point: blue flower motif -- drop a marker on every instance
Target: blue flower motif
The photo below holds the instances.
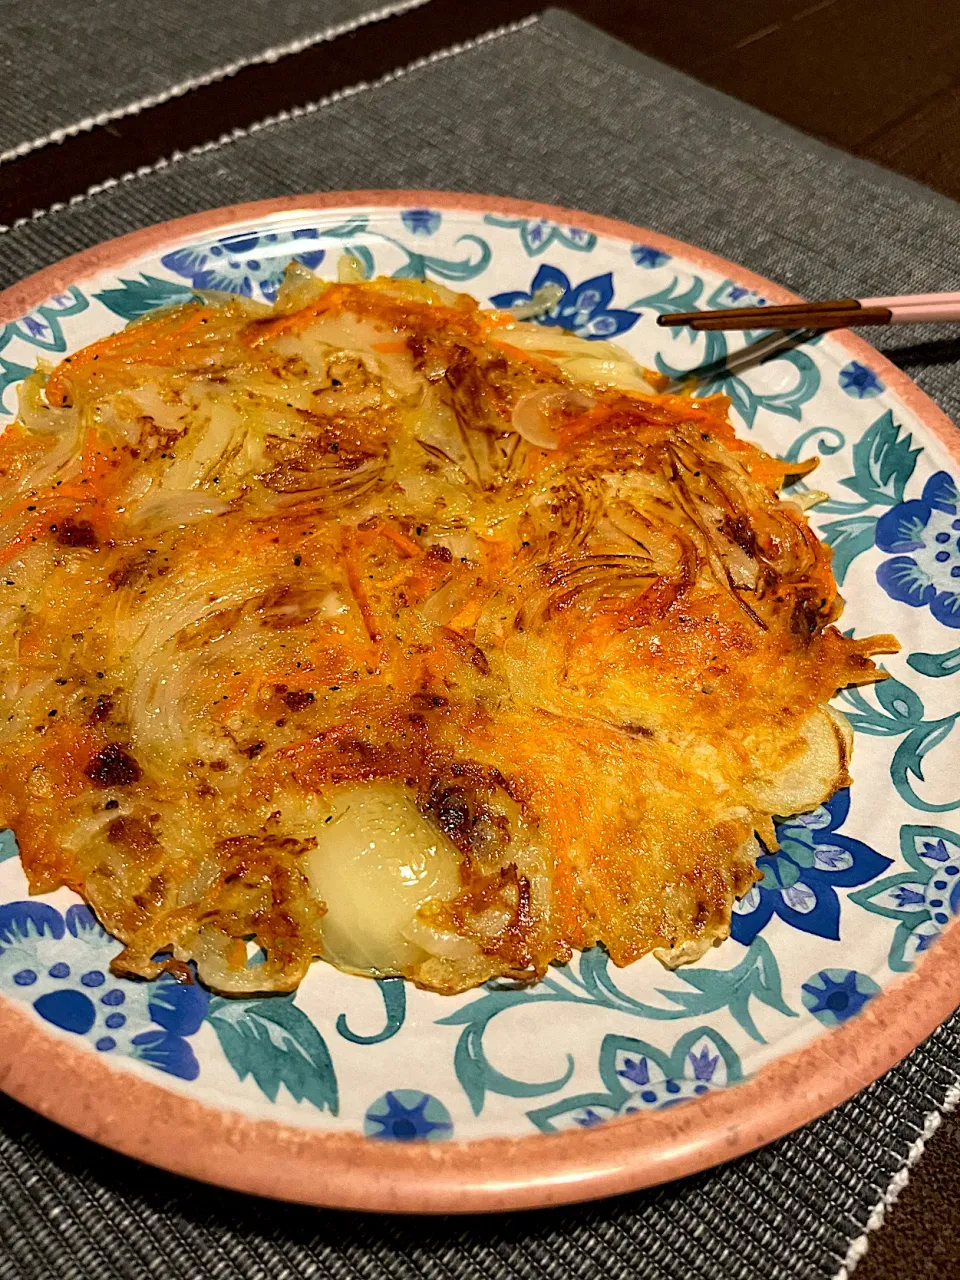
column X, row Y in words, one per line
column 704, row 1065
column 421, row 222
column 801, row 879
column 656, row 1085
column 834, row 995
column 405, row 1115
column 43, row 327
column 35, row 327
column 859, row 381
column 584, row 308
column 245, row 262
column 645, row 255
column 538, row 234
column 924, row 537
column 904, row 897
column 698, row 1075
column 60, row 965
column 636, row 1070
column 638, row 1076
column 924, row 899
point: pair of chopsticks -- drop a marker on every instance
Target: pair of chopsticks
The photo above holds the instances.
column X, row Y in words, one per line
column 841, row 313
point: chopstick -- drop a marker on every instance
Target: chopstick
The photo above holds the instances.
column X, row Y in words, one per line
column 840, row 313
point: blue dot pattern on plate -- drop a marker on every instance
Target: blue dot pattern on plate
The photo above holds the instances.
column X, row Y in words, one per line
column 70, row 1010
column 407, row 1115
column 45, row 960
column 834, row 995
column 859, row 381
column 645, row 255
column 421, row 222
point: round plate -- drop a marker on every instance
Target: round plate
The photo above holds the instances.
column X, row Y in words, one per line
column 379, row 1096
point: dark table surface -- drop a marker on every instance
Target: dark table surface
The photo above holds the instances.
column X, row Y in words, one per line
column 879, row 78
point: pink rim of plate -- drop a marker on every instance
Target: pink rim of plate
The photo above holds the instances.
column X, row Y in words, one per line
column 132, row 1115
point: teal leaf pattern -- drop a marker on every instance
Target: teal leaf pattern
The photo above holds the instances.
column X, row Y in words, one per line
column 757, row 976
column 908, row 759
column 883, row 462
column 394, row 992
column 900, row 711
column 638, row 1076
column 134, row 298
column 11, row 373
column 673, row 297
column 273, row 1041
column 421, row 266
column 8, row 845
column 936, row 665
column 849, row 538
column 790, row 402
column 922, row 900
column 828, row 441
column 712, row 375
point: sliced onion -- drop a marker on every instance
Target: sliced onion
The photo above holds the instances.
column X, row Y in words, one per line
column 544, row 300
column 175, row 510
column 531, row 417
column 805, row 501
column 300, row 287
column 350, row 269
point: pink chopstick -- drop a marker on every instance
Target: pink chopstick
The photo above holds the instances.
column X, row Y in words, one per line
column 840, row 313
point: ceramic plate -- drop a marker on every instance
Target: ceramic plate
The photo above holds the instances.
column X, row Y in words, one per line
column 596, row 1080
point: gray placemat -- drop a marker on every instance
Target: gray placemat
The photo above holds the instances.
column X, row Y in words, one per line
column 67, row 65
column 557, row 112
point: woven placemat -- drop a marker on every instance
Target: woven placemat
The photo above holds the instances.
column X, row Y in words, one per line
column 67, row 65
column 557, row 112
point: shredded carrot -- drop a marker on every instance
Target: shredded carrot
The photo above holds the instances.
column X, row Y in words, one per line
column 659, row 381
column 61, row 501
column 396, row 312
column 348, row 547
column 465, row 619
column 390, row 348
column 261, row 331
column 528, row 357
column 140, row 342
column 406, row 545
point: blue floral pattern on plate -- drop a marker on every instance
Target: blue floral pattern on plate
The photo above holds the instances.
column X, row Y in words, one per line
column 538, row 234
column 924, row 537
column 60, row 965
column 640, row 1077
column 645, row 255
column 421, row 222
column 800, row 881
column 922, row 900
column 584, row 309
column 407, row 1115
column 859, row 381
column 842, row 907
column 835, row 995
column 245, row 262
